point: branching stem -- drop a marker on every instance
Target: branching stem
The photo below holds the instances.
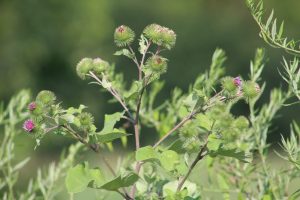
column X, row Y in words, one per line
column 179, row 125
column 190, row 116
column 136, row 120
column 134, row 58
column 199, row 157
column 114, row 93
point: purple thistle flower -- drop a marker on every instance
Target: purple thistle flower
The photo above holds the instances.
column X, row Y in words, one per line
column 32, row 106
column 28, row 125
column 237, row 81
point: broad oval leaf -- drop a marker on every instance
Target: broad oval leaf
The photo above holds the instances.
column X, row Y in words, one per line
column 145, row 153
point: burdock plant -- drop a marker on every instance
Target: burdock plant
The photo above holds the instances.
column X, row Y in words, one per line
column 192, row 127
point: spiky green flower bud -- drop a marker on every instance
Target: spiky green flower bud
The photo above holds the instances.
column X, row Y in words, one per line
column 86, row 119
column 123, row 36
column 241, row 122
column 250, row 89
column 99, row 66
column 157, row 64
column 160, row 35
column 46, row 97
column 38, row 109
column 83, row 67
column 229, row 85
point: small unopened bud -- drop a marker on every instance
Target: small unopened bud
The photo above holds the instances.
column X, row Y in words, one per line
column 229, row 85
column 46, row 97
column 241, row 122
column 86, row 119
column 83, row 67
column 99, row 66
column 250, row 89
column 32, row 106
column 157, row 64
column 237, row 81
column 28, row 125
column 123, row 36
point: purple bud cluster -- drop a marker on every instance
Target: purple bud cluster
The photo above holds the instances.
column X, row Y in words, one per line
column 28, row 125
column 237, row 81
column 32, row 106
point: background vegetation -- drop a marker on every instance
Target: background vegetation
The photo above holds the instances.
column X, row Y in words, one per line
column 42, row 41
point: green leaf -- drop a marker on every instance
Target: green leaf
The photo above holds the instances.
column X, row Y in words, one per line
column 156, row 87
column 134, row 91
column 109, row 137
column 126, row 179
column 274, row 29
column 214, row 142
column 143, row 44
column 146, row 153
column 204, row 121
column 69, row 118
column 110, row 121
column 192, row 101
column 73, row 110
column 182, row 168
column 269, row 19
column 235, row 153
column 20, row 165
column 96, row 177
column 171, row 187
column 280, row 30
column 80, row 176
column 267, row 197
column 168, row 159
column 177, row 146
column 124, row 52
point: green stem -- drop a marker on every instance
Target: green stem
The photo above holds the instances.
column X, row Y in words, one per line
column 137, row 117
column 199, row 157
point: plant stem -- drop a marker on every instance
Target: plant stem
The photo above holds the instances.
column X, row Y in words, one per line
column 134, row 58
column 197, row 159
column 114, row 93
column 180, row 124
column 93, row 147
column 190, row 116
column 142, row 61
column 136, row 120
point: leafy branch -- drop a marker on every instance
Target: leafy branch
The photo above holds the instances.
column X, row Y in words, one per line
column 274, row 37
column 269, row 30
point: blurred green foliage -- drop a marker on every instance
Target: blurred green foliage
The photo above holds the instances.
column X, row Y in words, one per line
column 42, row 41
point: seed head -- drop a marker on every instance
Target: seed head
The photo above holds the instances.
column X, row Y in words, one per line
column 99, row 66
column 46, row 97
column 157, row 64
column 228, row 84
column 250, row 89
column 123, row 36
column 83, row 67
column 160, row 35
